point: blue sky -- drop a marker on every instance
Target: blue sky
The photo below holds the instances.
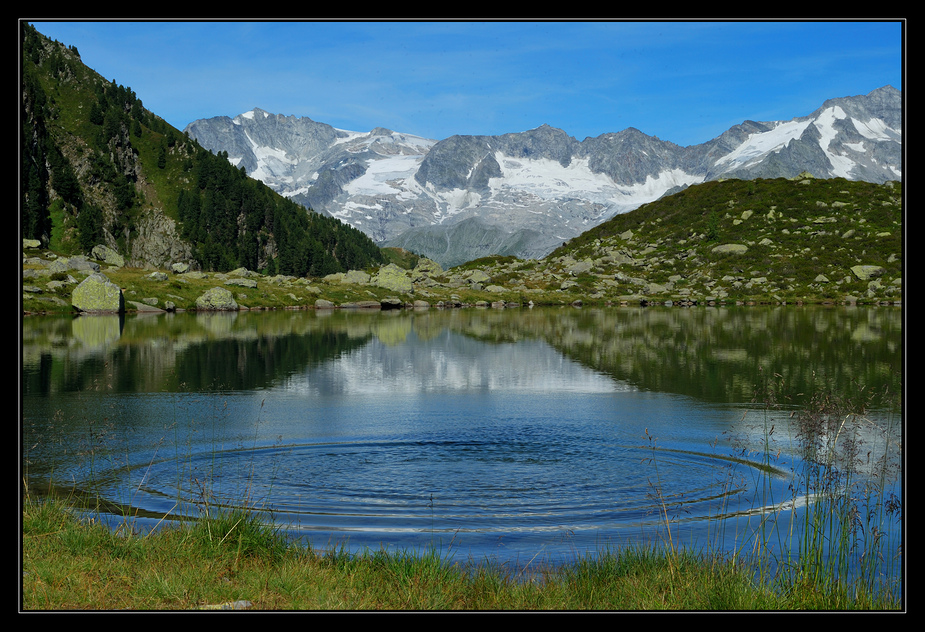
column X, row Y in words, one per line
column 683, row 81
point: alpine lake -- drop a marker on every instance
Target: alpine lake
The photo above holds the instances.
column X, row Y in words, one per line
column 505, row 436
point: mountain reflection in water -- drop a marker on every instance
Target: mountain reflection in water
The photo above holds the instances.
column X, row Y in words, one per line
column 500, row 434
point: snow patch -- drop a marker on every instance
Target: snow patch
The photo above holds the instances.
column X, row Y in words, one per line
column 760, row 144
column 548, row 180
column 381, row 174
column 876, row 129
column 272, row 163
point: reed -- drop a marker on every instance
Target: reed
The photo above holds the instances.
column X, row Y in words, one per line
column 838, row 530
column 850, row 461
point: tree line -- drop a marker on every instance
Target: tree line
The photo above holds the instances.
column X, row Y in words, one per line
column 230, row 219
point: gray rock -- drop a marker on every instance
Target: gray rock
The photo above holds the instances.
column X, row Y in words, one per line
column 580, row 268
column 242, row 282
column 81, row 263
column 108, row 256
column 97, row 295
column 736, row 249
column 216, row 299
column 393, row 278
column 866, row 273
column 243, row 272
column 427, row 267
column 356, row 277
column 477, row 277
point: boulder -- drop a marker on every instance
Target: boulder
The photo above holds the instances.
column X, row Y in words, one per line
column 108, row 256
column 251, row 283
column 866, row 273
column 98, row 295
column 356, row 277
column 216, row 299
column 735, row 249
column 427, row 267
column 580, row 267
column 393, row 278
column 477, row 277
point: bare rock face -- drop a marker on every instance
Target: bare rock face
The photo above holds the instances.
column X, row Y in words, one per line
column 158, row 243
column 98, row 295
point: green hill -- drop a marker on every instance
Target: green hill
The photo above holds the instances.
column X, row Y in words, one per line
column 762, row 241
column 802, row 238
column 99, row 168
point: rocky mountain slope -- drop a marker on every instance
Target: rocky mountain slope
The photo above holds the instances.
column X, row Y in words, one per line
column 98, row 168
column 525, row 193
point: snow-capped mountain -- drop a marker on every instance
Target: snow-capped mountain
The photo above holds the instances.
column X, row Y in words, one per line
column 525, row 193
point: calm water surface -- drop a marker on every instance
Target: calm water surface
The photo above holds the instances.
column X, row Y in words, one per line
column 509, row 435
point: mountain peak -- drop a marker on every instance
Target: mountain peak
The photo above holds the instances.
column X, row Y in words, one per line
column 542, row 186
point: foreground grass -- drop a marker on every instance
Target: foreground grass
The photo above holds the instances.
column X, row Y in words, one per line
column 72, row 564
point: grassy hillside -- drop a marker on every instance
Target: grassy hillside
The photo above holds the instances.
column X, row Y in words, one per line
column 98, row 168
column 798, row 239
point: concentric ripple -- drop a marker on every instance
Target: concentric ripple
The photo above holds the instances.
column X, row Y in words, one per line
column 383, row 488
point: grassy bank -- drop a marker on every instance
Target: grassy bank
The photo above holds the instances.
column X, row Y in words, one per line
column 836, row 555
column 234, row 562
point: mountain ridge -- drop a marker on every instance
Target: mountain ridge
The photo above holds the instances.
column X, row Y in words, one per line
column 541, row 186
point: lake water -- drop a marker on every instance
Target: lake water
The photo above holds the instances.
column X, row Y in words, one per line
column 516, row 436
